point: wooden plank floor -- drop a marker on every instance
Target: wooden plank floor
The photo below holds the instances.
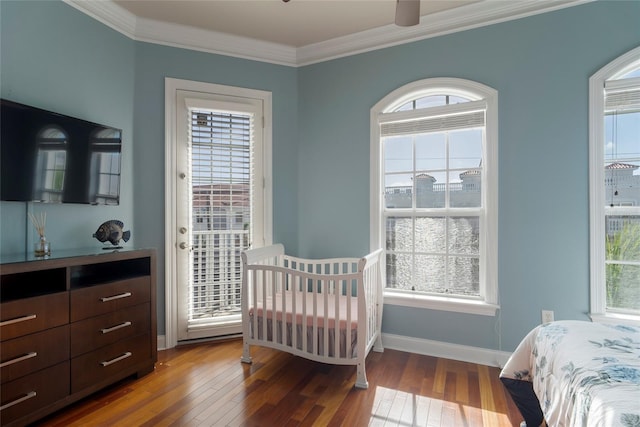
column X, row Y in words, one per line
column 206, row 385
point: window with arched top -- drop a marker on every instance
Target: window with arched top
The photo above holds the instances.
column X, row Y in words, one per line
column 51, row 164
column 434, row 194
column 104, row 166
column 614, row 182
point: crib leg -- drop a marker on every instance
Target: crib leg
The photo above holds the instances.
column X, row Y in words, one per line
column 377, row 345
column 246, row 354
column 361, row 376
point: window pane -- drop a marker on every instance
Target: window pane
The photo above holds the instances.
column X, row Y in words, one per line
column 398, row 190
column 399, row 234
column 465, row 149
column 430, row 273
column 398, row 154
column 464, row 235
column 399, row 267
column 430, row 237
column 464, row 276
column 623, row 238
column 430, row 151
column 623, row 286
column 431, row 101
column 464, row 189
column 430, row 190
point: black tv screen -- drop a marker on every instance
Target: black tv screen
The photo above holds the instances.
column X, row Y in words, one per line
column 53, row 158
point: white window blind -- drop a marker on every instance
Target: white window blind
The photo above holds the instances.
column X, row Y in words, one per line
column 622, row 95
column 426, row 120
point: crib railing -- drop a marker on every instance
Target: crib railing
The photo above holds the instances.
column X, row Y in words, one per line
column 327, row 310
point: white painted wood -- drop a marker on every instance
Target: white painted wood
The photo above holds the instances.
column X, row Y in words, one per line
column 322, row 287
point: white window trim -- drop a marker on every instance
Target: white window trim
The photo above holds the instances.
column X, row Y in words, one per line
column 489, row 249
column 617, row 67
column 172, row 86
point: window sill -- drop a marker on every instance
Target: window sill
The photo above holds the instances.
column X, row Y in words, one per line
column 615, row 319
column 431, row 302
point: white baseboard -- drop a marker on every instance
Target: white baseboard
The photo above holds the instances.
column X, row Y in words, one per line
column 446, row 350
column 162, row 342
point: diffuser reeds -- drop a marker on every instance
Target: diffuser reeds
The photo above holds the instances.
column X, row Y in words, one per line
column 39, row 222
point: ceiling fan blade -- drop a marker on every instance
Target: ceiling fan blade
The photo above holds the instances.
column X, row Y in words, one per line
column 407, row 12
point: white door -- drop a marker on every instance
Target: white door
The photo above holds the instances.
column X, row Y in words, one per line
column 219, row 193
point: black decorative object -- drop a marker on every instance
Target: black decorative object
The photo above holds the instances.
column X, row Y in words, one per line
column 112, row 231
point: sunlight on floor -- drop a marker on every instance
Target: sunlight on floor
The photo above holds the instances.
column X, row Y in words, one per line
column 394, row 407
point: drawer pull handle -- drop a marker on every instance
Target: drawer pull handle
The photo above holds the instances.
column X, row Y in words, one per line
column 18, row 320
column 124, row 295
column 19, row 400
column 115, row 328
column 117, row 359
column 19, row 359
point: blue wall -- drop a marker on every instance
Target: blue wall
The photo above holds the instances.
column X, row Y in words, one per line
column 55, row 57
column 540, row 67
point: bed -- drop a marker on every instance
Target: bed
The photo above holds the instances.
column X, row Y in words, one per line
column 327, row 310
column 582, row 374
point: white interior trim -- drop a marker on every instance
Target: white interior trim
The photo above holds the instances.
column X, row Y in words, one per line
column 475, row 15
column 464, row 353
column 172, row 86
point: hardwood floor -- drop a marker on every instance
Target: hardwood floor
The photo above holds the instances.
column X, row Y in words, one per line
column 207, row 385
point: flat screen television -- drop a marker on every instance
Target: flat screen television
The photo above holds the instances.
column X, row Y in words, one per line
column 52, row 158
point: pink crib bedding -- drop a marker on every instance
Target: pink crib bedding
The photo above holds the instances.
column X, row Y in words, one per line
column 307, row 300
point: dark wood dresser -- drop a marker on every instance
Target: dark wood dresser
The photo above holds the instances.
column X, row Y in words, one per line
column 72, row 324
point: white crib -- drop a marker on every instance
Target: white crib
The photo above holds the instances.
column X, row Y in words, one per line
column 326, row 310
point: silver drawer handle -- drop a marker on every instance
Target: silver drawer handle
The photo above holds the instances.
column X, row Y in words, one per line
column 18, row 319
column 124, row 295
column 117, row 359
column 19, row 400
column 19, row 359
column 115, row 328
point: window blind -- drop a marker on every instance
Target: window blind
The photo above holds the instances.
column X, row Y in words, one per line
column 449, row 117
column 622, row 95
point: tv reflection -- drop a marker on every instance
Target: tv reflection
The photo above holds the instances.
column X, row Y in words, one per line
column 104, row 170
column 52, row 143
column 103, row 166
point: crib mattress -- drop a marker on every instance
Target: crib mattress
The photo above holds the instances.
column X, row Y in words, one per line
column 307, row 300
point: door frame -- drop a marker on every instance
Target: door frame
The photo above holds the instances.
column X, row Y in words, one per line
column 173, row 85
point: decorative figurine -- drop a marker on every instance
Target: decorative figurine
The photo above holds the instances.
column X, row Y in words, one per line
column 111, row 231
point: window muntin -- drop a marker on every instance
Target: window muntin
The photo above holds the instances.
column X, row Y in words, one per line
column 434, row 216
column 615, row 188
column 51, row 164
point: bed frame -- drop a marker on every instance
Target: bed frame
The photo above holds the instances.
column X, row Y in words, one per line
column 327, row 310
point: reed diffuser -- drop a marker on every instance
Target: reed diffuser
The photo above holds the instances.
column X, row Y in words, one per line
column 42, row 246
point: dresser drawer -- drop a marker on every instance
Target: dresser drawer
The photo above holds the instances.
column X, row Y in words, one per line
column 90, row 334
column 24, row 355
column 35, row 314
column 110, row 361
column 32, row 392
column 97, row 300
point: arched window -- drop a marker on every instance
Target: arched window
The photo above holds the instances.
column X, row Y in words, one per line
column 104, row 169
column 434, row 194
column 614, row 182
column 51, row 164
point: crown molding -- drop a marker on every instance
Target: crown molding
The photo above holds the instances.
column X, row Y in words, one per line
column 475, row 15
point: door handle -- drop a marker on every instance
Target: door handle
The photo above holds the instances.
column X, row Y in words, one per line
column 183, row 245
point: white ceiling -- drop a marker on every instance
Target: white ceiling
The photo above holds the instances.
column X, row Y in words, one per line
column 296, row 23
column 298, row 32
